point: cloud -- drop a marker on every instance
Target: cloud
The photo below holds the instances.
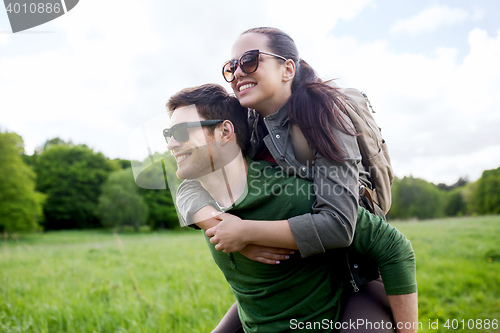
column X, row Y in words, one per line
column 433, row 110
column 306, row 20
column 4, row 39
column 431, row 19
column 105, row 76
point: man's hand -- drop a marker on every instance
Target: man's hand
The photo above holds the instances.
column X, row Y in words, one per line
column 266, row 255
column 229, row 234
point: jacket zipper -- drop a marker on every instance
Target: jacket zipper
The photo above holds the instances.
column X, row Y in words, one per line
column 273, row 139
column 353, row 282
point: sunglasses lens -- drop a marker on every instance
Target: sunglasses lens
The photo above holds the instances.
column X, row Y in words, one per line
column 228, row 71
column 181, row 134
column 249, row 62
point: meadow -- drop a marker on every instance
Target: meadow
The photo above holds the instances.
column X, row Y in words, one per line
column 96, row 281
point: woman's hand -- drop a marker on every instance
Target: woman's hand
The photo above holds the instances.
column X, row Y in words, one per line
column 229, row 234
column 266, row 255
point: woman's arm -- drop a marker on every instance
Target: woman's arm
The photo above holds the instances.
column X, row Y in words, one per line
column 332, row 221
column 232, row 234
column 331, row 225
column 264, row 254
column 393, row 253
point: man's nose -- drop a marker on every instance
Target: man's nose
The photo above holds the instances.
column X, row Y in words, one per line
column 172, row 143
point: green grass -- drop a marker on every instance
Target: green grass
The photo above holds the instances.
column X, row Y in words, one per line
column 92, row 281
column 458, row 269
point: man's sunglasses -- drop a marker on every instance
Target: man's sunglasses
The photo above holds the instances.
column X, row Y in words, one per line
column 180, row 131
column 248, row 62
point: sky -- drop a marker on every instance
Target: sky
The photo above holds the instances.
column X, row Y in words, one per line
column 430, row 68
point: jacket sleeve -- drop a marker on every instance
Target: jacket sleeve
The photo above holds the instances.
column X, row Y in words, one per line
column 191, row 197
column 389, row 248
column 335, row 211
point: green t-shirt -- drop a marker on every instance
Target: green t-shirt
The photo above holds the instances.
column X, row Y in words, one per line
column 275, row 298
column 271, row 296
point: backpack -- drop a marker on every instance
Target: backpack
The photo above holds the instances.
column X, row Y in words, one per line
column 373, row 149
column 376, row 161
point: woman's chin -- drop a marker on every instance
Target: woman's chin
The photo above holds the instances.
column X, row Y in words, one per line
column 247, row 101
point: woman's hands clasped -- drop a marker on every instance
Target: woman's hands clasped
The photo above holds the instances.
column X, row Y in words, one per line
column 231, row 235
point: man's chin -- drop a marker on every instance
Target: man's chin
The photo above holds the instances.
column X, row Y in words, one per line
column 180, row 175
column 183, row 175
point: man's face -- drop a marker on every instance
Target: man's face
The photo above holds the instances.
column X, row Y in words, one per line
column 194, row 155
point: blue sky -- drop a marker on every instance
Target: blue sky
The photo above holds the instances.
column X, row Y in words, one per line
column 379, row 17
column 430, row 69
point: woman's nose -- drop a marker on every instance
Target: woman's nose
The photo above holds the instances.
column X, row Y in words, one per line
column 238, row 72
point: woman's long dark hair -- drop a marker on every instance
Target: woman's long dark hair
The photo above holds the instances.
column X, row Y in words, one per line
column 315, row 107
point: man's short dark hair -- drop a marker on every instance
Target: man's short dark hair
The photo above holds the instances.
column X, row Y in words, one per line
column 213, row 102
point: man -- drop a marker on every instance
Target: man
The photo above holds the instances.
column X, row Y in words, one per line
column 208, row 136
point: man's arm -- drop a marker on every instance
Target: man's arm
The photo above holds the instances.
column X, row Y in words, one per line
column 205, row 218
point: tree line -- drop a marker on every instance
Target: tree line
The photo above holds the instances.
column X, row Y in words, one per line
column 414, row 198
column 69, row 186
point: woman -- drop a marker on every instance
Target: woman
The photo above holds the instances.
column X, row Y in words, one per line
column 300, row 125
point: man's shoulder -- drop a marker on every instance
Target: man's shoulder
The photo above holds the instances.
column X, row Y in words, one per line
column 260, row 165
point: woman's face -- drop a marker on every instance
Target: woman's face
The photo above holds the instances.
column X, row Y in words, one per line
column 263, row 90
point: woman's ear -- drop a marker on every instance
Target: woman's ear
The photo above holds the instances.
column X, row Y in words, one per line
column 289, row 72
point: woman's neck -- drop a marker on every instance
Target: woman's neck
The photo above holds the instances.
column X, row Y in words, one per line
column 272, row 106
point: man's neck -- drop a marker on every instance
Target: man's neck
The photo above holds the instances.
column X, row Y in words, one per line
column 228, row 183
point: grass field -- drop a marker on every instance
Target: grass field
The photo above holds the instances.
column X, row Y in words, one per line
column 92, row 281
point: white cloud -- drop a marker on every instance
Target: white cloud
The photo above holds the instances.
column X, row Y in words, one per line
column 305, row 20
column 431, row 19
column 106, row 75
column 437, row 114
column 4, row 39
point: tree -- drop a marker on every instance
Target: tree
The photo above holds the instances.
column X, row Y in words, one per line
column 156, row 192
column 55, row 141
column 462, row 181
column 124, row 164
column 72, row 177
column 20, row 204
column 416, row 198
column 455, row 203
column 488, row 192
column 469, row 196
column 120, row 203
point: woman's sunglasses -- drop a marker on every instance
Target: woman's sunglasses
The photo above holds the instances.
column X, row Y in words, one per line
column 180, row 131
column 248, row 62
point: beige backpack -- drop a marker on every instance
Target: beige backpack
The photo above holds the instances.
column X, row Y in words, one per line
column 375, row 156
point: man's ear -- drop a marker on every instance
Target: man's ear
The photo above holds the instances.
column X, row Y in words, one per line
column 289, row 72
column 226, row 131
